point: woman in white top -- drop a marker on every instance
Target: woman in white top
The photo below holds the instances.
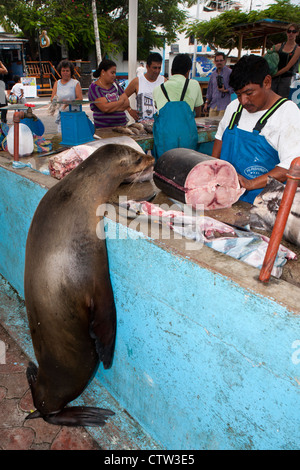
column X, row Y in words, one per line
column 67, row 88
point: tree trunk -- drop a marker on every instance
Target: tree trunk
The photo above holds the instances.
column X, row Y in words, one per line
column 96, row 29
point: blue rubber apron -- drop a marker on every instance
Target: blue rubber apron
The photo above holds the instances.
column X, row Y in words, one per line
column 174, row 126
column 249, row 152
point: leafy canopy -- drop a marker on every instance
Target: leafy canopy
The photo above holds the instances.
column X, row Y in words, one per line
column 70, row 22
column 218, row 32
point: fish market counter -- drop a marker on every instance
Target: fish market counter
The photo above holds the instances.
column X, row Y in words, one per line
column 207, row 128
column 206, row 357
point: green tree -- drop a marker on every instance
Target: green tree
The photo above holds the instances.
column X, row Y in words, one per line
column 70, row 22
column 218, row 32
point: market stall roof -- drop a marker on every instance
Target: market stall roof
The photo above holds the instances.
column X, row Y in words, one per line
column 259, row 29
column 10, row 41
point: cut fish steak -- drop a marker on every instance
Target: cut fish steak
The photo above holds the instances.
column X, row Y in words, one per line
column 197, row 179
column 214, row 184
column 64, row 162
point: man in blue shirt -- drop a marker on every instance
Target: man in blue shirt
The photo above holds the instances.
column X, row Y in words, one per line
column 218, row 91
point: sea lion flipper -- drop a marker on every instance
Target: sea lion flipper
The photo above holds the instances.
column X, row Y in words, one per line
column 103, row 330
column 75, row 416
column 31, row 374
column 34, row 414
column 79, row 416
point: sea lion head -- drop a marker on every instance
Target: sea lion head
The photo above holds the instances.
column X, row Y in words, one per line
column 115, row 161
column 129, row 161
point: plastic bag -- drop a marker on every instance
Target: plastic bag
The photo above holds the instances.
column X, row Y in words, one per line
column 25, row 140
column 272, row 57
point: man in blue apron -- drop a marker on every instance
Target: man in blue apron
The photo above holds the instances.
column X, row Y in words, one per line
column 259, row 133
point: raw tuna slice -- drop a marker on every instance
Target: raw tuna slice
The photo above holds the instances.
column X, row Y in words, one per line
column 197, row 179
column 62, row 163
column 214, row 184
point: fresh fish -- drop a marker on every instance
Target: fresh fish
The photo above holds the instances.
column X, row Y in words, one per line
column 137, row 128
column 123, row 130
column 137, row 125
column 148, row 125
column 208, row 225
column 53, row 106
column 265, row 208
column 239, row 243
column 248, row 247
column 147, row 210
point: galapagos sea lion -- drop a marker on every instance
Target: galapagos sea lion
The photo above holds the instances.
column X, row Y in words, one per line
column 68, row 293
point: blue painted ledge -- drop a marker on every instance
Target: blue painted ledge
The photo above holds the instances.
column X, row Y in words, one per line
column 206, row 356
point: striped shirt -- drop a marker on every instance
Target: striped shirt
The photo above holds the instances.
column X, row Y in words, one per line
column 117, row 118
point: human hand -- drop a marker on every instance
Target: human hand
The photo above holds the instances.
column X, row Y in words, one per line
column 134, row 114
column 245, row 183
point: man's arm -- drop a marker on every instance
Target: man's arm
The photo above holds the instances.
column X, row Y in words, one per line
column 3, row 69
column 197, row 110
column 278, row 173
column 132, row 87
column 216, row 152
column 78, row 92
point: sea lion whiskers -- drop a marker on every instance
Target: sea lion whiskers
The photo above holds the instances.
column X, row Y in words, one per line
column 136, row 177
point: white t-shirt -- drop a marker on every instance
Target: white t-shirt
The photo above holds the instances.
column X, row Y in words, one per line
column 282, row 130
column 17, row 89
column 144, row 100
